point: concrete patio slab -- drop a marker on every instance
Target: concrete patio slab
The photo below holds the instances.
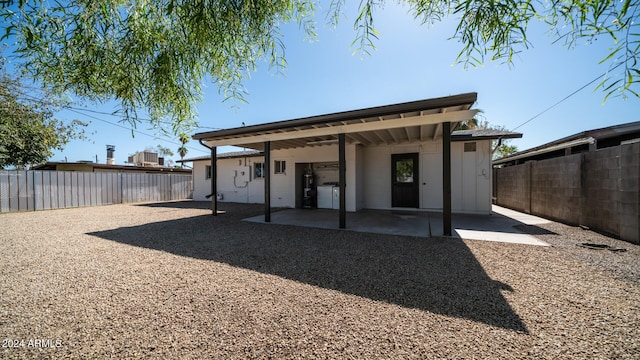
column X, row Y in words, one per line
column 499, row 226
column 374, row 221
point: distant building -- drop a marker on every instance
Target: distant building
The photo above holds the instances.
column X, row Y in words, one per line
column 142, row 162
column 146, row 158
column 585, row 141
column 93, row 167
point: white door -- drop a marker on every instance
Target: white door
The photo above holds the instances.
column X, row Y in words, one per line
column 431, row 181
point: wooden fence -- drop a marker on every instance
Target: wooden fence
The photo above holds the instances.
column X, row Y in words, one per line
column 44, row 190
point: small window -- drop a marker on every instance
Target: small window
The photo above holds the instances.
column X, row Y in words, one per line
column 207, row 172
column 470, row 147
column 404, row 171
column 258, row 171
column 280, row 166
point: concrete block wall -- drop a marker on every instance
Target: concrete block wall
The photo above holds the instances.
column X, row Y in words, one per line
column 599, row 189
column 556, row 188
column 629, row 202
column 512, row 187
column 601, row 176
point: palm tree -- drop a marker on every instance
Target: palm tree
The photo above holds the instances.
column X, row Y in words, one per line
column 182, row 150
column 475, row 123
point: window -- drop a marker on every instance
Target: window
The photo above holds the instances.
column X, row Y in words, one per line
column 280, row 166
column 404, row 171
column 207, row 172
column 258, row 170
column 470, row 147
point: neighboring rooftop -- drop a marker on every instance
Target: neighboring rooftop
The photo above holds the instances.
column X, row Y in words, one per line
column 92, row 167
column 584, row 141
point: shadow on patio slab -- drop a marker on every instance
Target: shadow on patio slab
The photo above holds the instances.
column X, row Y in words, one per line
column 437, row 275
column 502, row 225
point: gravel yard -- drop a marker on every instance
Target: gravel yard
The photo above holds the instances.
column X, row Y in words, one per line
column 170, row 281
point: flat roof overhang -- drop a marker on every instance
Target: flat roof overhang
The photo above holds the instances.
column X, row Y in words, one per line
column 391, row 124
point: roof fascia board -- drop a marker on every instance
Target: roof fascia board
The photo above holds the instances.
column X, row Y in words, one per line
column 452, row 116
column 455, row 138
column 466, row 100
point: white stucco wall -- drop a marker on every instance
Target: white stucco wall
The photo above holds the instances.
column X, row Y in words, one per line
column 470, row 176
column 235, row 180
column 245, row 188
column 283, row 186
column 368, row 176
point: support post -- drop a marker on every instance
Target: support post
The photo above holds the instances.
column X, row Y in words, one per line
column 446, row 178
column 214, row 181
column 267, row 181
column 342, row 170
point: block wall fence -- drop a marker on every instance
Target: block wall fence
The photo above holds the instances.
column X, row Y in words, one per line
column 598, row 189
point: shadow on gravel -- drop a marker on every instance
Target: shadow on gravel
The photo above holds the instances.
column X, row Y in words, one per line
column 436, row 275
column 181, row 204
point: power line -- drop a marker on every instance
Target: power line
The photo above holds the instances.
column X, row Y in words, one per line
column 566, row 97
column 134, row 130
column 137, row 118
column 31, row 98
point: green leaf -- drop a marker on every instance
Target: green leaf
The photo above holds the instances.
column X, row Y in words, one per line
column 612, row 54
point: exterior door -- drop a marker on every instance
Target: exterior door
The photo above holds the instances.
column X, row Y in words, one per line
column 405, row 190
column 431, row 180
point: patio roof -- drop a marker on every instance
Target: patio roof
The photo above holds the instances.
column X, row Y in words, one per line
column 408, row 122
column 391, row 124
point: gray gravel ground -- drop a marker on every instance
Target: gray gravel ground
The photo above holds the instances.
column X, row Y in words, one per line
column 171, row 281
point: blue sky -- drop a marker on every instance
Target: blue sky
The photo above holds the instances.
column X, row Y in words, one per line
column 412, row 62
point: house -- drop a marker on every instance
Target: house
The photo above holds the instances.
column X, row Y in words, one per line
column 239, row 180
column 400, row 156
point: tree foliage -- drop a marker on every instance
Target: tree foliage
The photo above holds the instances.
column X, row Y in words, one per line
column 155, row 55
column 503, row 150
column 164, row 151
column 28, row 130
column 501, row 147
column 151, row 55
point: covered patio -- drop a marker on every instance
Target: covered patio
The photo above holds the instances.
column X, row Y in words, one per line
column 417, row 122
